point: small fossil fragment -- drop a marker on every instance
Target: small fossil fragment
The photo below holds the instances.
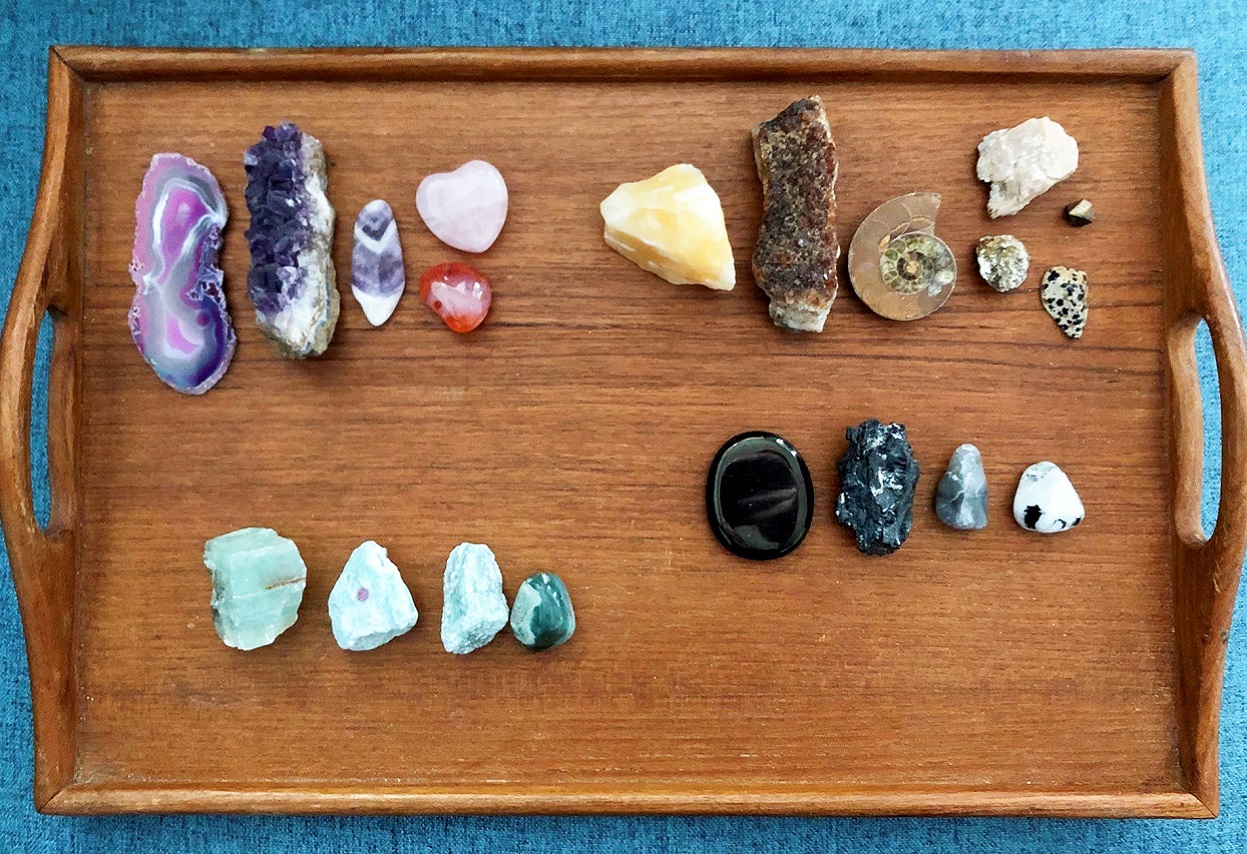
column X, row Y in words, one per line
column 897, row 265
column 1024, row 162
column 258, row 578
column 794, row 262
column 672, row 225
column 292, row 280
column 369, row 604
column 178, row 318
column 878, row 476
column 465, row 208
column 377, row 276
column 1080, row 212
column 1046, row 501
column 1003, row 262
column 1064, row 296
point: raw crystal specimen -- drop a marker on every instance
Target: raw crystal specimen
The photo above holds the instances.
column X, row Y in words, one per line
column 1046, row 501
column 1003, row 262
column 897, row 265
column 459, row 294
column 1080, row 213
column 377, row 276
column 465, row 208
column 672, row 225
column 878, row 475
column 961, row 500
column 475, row 608
column 370, row 605
column 257, row 584
column 542, row 616
column 794, row 261
column 291, row 281
column 759, row 496
column 1064, row 296
column 178, row 317
column 1024, row 162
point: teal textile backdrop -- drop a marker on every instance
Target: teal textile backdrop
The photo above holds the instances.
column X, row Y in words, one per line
column 1216, row 28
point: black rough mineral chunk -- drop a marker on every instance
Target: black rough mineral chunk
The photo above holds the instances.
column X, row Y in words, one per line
column 878, row 475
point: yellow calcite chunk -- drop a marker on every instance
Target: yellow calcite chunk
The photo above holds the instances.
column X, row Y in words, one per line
column 672, row 225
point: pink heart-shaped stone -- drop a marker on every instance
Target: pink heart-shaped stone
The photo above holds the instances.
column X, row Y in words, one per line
column 465, row 208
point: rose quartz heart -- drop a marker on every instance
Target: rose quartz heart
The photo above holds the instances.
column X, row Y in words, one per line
column 465, row 208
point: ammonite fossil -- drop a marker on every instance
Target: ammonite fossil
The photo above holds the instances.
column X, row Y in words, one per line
column 897, row 265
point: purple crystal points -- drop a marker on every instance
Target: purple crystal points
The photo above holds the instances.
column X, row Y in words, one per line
column 178, row 317
column 291, row 281
column 377, row 276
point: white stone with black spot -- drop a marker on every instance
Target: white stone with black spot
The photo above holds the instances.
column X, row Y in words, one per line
column 1064, row 296
column 1046, row 501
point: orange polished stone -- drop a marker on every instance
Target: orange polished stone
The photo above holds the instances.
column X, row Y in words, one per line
column 458, row 293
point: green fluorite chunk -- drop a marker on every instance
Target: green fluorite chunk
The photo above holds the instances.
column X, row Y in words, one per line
column 542, row 616
column 258, row 578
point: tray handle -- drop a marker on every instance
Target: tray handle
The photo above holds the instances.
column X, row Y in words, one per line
column 49, row 280
column 1207, row 569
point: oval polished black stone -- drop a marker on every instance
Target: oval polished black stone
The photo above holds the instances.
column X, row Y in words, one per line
column 759, row 496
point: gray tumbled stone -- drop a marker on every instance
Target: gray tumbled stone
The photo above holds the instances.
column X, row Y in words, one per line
column 961, row 500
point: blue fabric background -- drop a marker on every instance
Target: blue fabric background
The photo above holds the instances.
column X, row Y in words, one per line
column 1216, row 28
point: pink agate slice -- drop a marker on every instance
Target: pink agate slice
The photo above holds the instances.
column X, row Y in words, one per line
column 178, row 318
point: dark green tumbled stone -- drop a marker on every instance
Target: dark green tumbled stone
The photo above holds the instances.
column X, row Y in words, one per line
column 542, row 616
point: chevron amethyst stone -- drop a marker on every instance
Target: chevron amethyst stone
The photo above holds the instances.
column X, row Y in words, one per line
column 377, row 276
column 292, row 280
column 178, row 317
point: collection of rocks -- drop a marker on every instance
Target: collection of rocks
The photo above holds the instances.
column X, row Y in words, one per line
column 1021, row 163
column 760, row 499
column 258, row 579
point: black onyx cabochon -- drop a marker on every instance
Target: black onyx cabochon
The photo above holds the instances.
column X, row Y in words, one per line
column 759, row 496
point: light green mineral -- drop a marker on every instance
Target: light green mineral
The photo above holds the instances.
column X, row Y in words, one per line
column 258, row 578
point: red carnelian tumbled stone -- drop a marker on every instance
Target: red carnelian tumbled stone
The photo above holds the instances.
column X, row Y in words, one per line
column 458, row 294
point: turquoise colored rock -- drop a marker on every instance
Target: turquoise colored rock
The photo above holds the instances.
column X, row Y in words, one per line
column 542, row 615
column 258, row 578
column 370, row 605
column 475, row 608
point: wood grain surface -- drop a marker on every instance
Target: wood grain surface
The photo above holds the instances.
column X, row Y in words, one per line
column 997, row 672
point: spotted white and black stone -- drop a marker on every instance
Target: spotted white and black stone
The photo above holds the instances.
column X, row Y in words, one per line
column 1046, row 501
column 1064, row 296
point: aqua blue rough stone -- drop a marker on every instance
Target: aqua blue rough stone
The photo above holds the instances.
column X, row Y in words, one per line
column 542, row 615
column 474, row 608
column 258, row 578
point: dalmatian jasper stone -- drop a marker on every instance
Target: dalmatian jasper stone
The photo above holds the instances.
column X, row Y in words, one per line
column 1064, row 295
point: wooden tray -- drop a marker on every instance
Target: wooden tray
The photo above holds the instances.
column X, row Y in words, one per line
column 998, row 672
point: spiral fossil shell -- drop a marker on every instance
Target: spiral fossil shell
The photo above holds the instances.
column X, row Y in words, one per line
column 897, row 265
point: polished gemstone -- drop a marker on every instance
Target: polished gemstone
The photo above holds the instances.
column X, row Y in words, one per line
column 258, row 578
column 961, row 499
column 465, row 208
column 458, row 294
column 1046, row 501
column 178, row 317
column 542, row 615
column 759, row 496
column 377, row 276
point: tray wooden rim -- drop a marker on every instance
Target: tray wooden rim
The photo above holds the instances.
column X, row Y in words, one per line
column 50, row 280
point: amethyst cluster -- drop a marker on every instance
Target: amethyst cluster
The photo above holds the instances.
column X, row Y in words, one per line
column 291, row 281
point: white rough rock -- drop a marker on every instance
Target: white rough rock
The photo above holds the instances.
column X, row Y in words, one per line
column 370, row 605
column 1024, row 162
column 1046, row 501
column 474, row 608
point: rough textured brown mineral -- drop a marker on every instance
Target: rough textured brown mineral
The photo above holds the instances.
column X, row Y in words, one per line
column 794, row 262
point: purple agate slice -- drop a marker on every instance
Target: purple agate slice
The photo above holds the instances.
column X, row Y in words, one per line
column 291, row 281
column 178, row 317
